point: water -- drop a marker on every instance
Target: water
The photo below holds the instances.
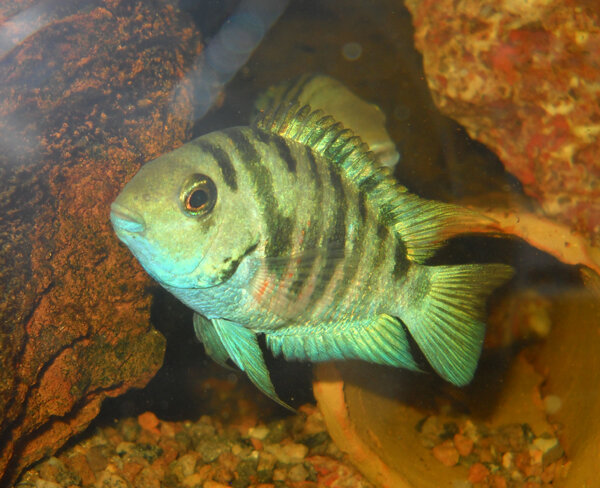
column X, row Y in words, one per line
column 91, row 91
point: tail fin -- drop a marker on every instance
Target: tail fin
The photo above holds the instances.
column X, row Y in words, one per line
column 444, row 312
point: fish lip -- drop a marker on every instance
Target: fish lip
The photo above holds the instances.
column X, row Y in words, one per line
column 127, row 223
column 125, row 219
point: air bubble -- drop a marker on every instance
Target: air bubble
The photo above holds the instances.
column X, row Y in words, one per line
column 352, row 51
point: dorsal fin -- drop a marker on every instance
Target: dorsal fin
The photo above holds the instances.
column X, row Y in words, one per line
column 422, row 225
column 330, row 95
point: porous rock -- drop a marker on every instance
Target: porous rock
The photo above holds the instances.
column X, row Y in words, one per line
column 522, row 77
column 84, row 100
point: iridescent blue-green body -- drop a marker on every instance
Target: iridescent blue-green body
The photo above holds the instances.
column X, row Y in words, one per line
column 292, row 228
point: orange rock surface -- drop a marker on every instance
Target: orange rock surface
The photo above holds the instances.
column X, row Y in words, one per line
column 74, row 307
column 522, row 78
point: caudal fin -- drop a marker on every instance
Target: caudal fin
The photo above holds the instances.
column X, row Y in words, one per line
column 445, row 312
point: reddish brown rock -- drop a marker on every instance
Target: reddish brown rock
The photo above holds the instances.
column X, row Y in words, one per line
column 84, row 101
column 522, row 77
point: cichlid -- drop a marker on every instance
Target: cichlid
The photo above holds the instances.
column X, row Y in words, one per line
column 292, row 228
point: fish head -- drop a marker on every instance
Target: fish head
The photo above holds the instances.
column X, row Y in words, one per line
column 182, row 221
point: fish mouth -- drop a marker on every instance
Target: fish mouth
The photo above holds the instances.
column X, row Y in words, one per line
column 124, row 219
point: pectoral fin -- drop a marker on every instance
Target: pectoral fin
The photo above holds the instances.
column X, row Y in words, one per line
column 224, row 339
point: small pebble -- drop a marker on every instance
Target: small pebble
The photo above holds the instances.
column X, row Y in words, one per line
column 430, row 429
column 184, row 466
column 148, row 478
column 131, row 470
column 297, row 473
column 214, row 484
column 193, row 480
column 51, row 469
column 536, row 456
column 547, row 445
column 259, row 432
column 110, row 479
column 478, row 473
column 256, row 443
column 516, row 475
column 279, row 474
column 446, row 453
column 266, row 461
column 149, row 422
column 288, row 453
column 463, row 444
column 167, row 429
column 96, row 458
column 471, row 431
column 499, row 481
column 210, row 449
column 46, row 484
column 77, row 463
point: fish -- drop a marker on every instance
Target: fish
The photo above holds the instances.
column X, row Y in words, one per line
column 291, row 227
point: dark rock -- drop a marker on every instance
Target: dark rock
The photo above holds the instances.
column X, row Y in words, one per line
column 83, row 102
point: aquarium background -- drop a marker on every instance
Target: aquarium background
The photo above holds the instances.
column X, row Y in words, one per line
column 91, row 90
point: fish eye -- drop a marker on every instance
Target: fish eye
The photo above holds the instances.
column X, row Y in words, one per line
column 199, row 195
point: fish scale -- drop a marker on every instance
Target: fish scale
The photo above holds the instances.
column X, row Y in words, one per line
column 334, row 231
column 291, row 228
column 326, row 300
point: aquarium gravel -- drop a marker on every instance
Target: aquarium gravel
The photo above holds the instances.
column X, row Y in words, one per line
column 211, row 452
column 510, row 456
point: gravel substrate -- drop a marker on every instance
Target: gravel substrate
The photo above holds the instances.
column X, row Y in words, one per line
column 234, row 448
column 511, row 456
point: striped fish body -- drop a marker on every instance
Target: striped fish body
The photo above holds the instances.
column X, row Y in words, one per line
column 315, row 253
column 291, row 228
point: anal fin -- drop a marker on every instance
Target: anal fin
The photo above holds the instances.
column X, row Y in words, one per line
column 382, row 340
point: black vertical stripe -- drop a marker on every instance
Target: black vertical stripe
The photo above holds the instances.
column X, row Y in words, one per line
column 336, row 240
column 280, row 144
column 310, row 244
column 352, row 262
column 339, row 235
column 362, row 206
column 400, row 259
column 383, row 234
column 223, row 160
column 369, row 183
column 312, row 163
column 285, row 153
column 279, row 226
column 230, row 265
column 262, row 136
